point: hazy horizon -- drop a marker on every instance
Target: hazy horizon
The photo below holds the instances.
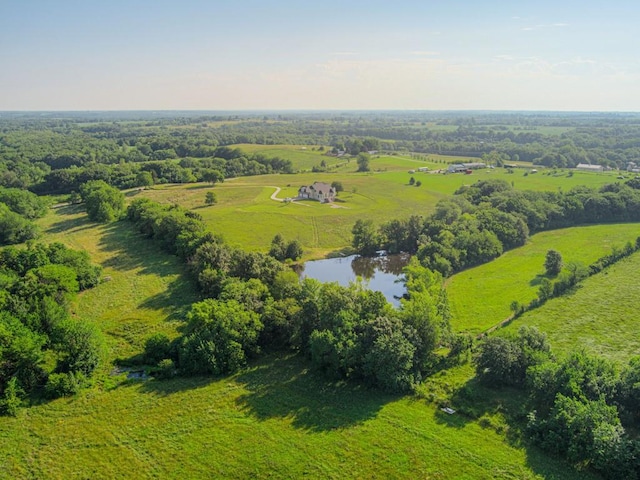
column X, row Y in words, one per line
column 336, row 56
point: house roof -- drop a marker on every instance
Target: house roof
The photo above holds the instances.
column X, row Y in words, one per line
column 321, row 187
column 586, row 166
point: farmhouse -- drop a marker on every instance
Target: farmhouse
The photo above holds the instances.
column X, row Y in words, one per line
column 585, row 167
column 633, row 167
column 322, row 192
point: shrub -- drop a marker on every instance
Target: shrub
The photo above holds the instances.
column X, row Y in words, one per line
column 12, row 398
column 81, row 345
column 165, row 369
column 64, row 384
column 156, row 348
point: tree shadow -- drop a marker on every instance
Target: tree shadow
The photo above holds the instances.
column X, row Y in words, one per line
column 504, row 410
column 76, row 224
column 286, row 388
column 177, row 297
column 131, row 252
column 163, row 388
column 537, row 280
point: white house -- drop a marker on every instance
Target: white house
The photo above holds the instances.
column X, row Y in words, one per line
column 322, row 192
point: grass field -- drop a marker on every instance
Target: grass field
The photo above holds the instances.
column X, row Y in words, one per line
column 276, row 420
column 601, row 315
column 480, row 297
column 146, row 292
column 379, row 196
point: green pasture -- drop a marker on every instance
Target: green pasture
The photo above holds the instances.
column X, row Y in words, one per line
column 481, row 297
column 145, row 291
column 278, row 418
column 303, row 157
column 275, row 420
column 247, row 217
column 601, row 315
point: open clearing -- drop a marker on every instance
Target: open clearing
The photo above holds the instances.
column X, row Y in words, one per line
column 481, row 297
column 276, row 419
column 380, row 196
column 600, row 315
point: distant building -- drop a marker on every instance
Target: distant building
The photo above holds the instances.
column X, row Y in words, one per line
column 463, row 167
column 423, row 169
column 322, row 192
column 585, row 167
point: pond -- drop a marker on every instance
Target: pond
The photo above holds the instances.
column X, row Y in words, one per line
column 379, row 273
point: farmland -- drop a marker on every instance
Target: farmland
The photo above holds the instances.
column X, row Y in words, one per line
column 280, row 417
column 379, row 196
column 600, row 315
column 480, row 297
column 276, row 417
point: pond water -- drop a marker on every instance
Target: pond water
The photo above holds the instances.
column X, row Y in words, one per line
column 379, row 273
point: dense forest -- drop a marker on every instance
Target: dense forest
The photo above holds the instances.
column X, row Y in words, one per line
column 55, row 153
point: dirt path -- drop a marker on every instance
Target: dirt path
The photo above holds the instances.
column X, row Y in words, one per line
column 274, row 195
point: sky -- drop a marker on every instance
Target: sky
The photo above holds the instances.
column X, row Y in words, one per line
column 560, row 55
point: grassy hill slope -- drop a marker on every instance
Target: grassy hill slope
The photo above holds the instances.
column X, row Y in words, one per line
column 275, row 420
column 480, row 297
column 600, row 315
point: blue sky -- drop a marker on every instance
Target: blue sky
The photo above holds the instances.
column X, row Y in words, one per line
column 244, row 54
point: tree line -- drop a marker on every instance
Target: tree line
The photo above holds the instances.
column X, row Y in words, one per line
column 255, row 303
column 186, row 170
column 32, row 147
column 43, row 350
column 482, row 221
column 17, row 210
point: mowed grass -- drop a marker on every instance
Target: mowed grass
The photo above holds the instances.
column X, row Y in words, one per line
column 481, row 297
column 247, row 217
column 600, row 315
column 275, row 420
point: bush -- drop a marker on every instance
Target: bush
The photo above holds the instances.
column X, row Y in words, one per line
column 553, row 263
column 220, row 337
column 156, row 348
column 103, row 202
column 81, row 345
column 64, row 384
column 12, row 398
column 165, row 369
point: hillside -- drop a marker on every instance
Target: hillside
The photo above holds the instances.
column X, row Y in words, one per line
column 481, row 297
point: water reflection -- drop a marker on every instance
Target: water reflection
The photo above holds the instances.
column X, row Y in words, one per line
column 379, row 273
